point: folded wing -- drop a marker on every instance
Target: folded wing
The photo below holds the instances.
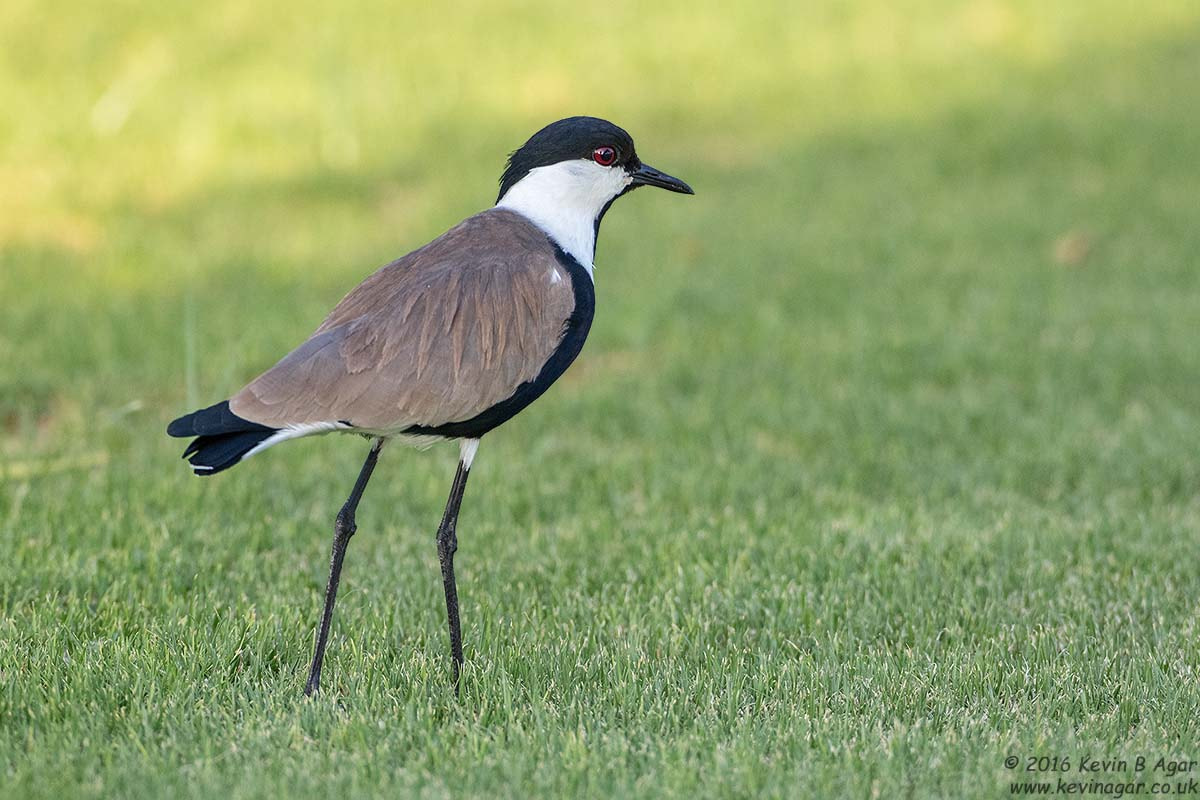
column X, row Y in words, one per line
column 438, row 336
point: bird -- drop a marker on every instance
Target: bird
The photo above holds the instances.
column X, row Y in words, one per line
column 446, row 343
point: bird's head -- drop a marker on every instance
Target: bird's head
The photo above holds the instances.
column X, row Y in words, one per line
column 569, row 173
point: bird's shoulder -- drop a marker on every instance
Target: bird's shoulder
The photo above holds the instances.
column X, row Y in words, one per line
column 495, row 252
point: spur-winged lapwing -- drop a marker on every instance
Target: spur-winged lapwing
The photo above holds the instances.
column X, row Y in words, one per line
column 449, row 341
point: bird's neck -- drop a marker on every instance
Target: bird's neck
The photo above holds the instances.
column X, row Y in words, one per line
column 566, row 201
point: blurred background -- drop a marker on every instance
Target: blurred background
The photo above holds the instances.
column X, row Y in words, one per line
column 915, row 371
column 972, row 201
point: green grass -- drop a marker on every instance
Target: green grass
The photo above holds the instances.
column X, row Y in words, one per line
column 880, row 464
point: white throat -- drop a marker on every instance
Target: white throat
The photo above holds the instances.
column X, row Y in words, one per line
column 564, row 200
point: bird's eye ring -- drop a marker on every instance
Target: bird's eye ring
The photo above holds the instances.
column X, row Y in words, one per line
column 605, row 156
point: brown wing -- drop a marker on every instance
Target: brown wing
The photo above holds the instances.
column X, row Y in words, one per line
column 439, row 336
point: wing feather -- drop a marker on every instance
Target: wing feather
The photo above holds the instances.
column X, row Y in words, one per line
column 438, row 336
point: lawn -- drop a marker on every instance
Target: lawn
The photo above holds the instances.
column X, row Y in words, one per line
column 881, row 464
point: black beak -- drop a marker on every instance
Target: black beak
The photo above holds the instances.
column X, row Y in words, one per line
column 646, row 175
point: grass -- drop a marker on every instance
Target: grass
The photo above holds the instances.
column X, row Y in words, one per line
column 879, row 465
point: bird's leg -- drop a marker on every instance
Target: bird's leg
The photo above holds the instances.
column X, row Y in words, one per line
column 447, row 544
column 343, row 528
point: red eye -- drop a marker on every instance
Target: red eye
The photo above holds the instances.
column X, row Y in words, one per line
column 605, row 156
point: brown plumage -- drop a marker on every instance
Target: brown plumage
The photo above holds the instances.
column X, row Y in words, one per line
column 437, row 336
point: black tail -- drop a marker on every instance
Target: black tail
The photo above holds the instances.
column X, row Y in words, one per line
column 222, row 437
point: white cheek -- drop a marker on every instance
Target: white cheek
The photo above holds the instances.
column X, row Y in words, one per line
column 564, row 200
